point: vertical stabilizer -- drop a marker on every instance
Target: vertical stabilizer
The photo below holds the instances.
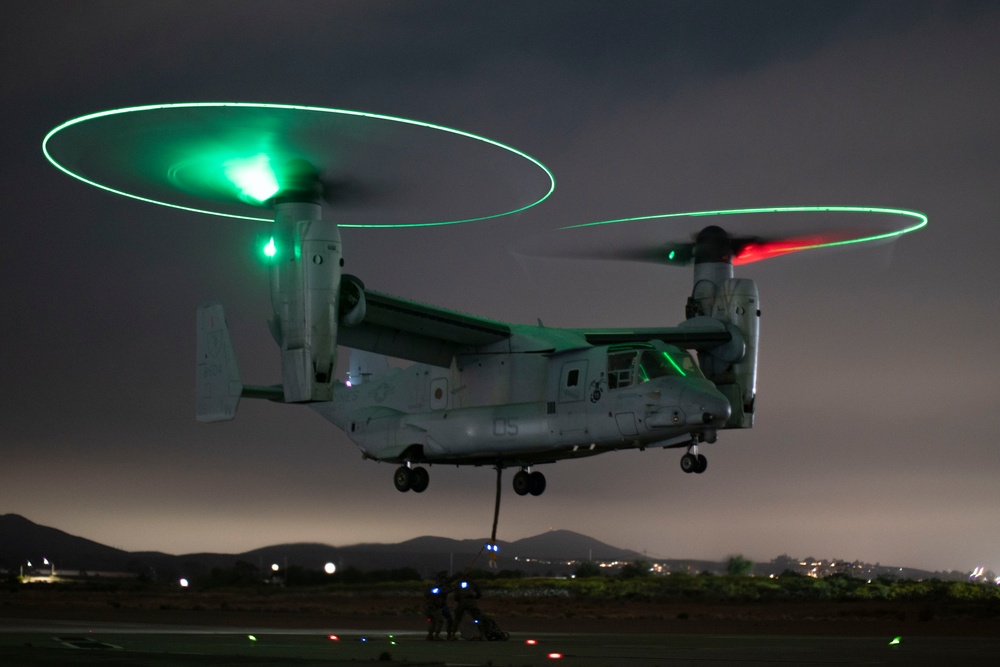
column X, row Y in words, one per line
column 217, row 380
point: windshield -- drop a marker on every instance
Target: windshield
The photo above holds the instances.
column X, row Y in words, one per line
column 628, row 367
column 653, row 364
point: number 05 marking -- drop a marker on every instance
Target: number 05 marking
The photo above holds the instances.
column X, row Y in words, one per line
column 502, row 427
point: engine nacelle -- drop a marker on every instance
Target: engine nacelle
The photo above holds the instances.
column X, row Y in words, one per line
column 732, row 366
column 305, row 291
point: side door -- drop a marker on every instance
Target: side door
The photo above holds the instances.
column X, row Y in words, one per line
column 571, row 407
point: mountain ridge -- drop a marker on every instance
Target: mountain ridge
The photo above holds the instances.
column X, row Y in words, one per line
column 22, row 540
column 552, row 553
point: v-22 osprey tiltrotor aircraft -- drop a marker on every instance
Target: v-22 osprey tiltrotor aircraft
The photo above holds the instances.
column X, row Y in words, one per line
column 483, row 392
column 478, row 391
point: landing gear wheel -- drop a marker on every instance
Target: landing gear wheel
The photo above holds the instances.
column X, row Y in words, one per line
column 403, row 479
column 522, row 483
column 689, row 462
column 419, row 479
column 536, row 483
column 702, row 464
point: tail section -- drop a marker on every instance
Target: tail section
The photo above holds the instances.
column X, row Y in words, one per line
column 217, row 382
column 365, row 366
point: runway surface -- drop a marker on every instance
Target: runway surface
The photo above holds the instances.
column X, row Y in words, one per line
column 31, row 642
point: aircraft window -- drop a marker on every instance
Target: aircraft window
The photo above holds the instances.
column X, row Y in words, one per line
column 573, row 378
column 671, row 363
column 620, row 367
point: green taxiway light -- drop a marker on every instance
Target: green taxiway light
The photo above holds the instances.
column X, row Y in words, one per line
column 252, row 638
column 918, row 216
column 252, row 176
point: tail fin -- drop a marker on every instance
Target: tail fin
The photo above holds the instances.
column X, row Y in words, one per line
column 217, row 382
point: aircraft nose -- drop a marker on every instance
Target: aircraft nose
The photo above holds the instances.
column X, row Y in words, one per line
column 706, row 405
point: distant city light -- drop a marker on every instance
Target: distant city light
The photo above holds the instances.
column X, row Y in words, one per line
column 329, row 568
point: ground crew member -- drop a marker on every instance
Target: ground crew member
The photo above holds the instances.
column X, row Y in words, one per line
column 466, row 594
column 436, row 608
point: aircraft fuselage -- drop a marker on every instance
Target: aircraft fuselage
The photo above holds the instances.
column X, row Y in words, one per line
column 521, row 408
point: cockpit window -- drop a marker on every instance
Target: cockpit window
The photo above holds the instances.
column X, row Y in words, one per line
column 621, row 369
column 653, row 364
column 628, row 367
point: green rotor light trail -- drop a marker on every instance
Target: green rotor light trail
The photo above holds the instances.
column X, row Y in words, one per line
column 232, row 153
column 766, row 249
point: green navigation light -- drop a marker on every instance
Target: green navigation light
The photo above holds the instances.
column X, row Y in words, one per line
column 270, row 250
column 895, row 641
column 253, row 177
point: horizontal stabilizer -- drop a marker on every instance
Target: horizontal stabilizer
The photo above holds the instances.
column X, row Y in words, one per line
column 217, row 382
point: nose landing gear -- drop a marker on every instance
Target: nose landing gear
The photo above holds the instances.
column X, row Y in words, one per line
column 693, row 461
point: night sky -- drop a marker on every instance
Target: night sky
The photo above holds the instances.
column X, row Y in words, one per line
column 877, row 408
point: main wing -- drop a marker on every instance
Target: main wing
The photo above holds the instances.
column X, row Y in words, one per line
column 699, row 333
column 407, row 329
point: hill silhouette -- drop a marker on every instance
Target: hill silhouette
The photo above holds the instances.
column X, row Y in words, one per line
column 22, row 540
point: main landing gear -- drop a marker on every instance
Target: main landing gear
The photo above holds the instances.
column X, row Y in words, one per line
column 411, row 479
column 693, row 461
column 529, row 482
column 416, row 480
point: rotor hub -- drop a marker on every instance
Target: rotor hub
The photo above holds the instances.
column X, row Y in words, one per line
column 713, row 245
